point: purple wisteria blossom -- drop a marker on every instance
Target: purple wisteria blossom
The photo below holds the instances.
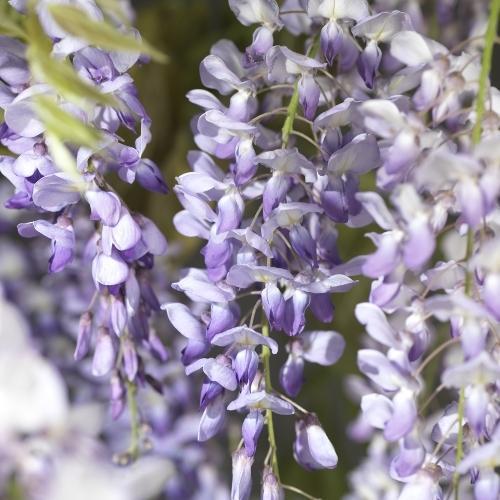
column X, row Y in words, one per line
column 369, row 96
column 62, row 181
column 370, row 123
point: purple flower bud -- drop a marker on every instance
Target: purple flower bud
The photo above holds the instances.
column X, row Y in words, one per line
column 118, row 315
column 212, row 419
column 83, row 339
column 209, row 392
column 222, row 317
column 303, row 244
column 312, row 448
column 331, row 40
column 241, row 486
column 230, row 211
column 369, row 62
column 246, row 165
column 275, row 192
column 104, row 354
column 109, row 269
column 261, row 43
column 309, row 93
column 409, row 459
column 273, row 304
column 292, row 374
column 294, row 318
column 476, row 408
column 156, row 347
column 322, row 307
column 117, row 396
column 130, row 359
column 245, row 365
column 335, row 205
column 217, row 253
column 271, row 488
column 404, row 416
column 251, row 429
column 194, row 350
column 149, row 176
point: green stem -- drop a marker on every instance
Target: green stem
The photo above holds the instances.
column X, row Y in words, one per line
column 299, row 492
column 266, row 356
column 293, row 105
column 134, row 421
column 290, row 115
column 476, row 137
column 485, row 68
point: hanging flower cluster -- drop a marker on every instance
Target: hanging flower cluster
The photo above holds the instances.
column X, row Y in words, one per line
column 281, row 154
column 65, row 103
column 56, row 427
column 360, row 123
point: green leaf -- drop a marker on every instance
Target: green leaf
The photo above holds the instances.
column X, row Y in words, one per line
column 64, row 160
column 64, row 125
column 9, row 27
column 100, row 33
column 115, row 9
column 59, row 74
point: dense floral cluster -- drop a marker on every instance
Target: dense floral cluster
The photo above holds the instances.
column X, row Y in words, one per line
column 55, row 427
column 88, row 224
column 367, row 93
column 365, row 123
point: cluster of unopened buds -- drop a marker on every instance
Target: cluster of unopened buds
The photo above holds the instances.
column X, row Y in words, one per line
column 286, row 138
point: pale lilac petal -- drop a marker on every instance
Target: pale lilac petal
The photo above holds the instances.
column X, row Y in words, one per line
column 109, row 269
column 244, row 337
column 212, row 419
column 323, row 347
column 404, row 416
column 184, row 321
column 105, row 206
column 241, row 486
column 104, row 354
column 55, row 191
column 262, row 400
column 376, row 324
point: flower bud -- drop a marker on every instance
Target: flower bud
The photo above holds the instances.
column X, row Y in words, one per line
column 271, row 488
column 312, row 448
column 251, row 429
column 241, row 486
column 84, row 332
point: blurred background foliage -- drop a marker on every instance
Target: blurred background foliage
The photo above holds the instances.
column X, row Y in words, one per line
column 185, row 30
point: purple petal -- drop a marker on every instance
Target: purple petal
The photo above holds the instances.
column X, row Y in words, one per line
column 109, row 269
column 55, row 191
column 244, row 337
column 251, row 429
column 212, row 420
column 104, row 354
column 404, row 417
column 323, row 347
column 105, row 206
column 292, row 375
column 241, row 486
column 184, row 321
